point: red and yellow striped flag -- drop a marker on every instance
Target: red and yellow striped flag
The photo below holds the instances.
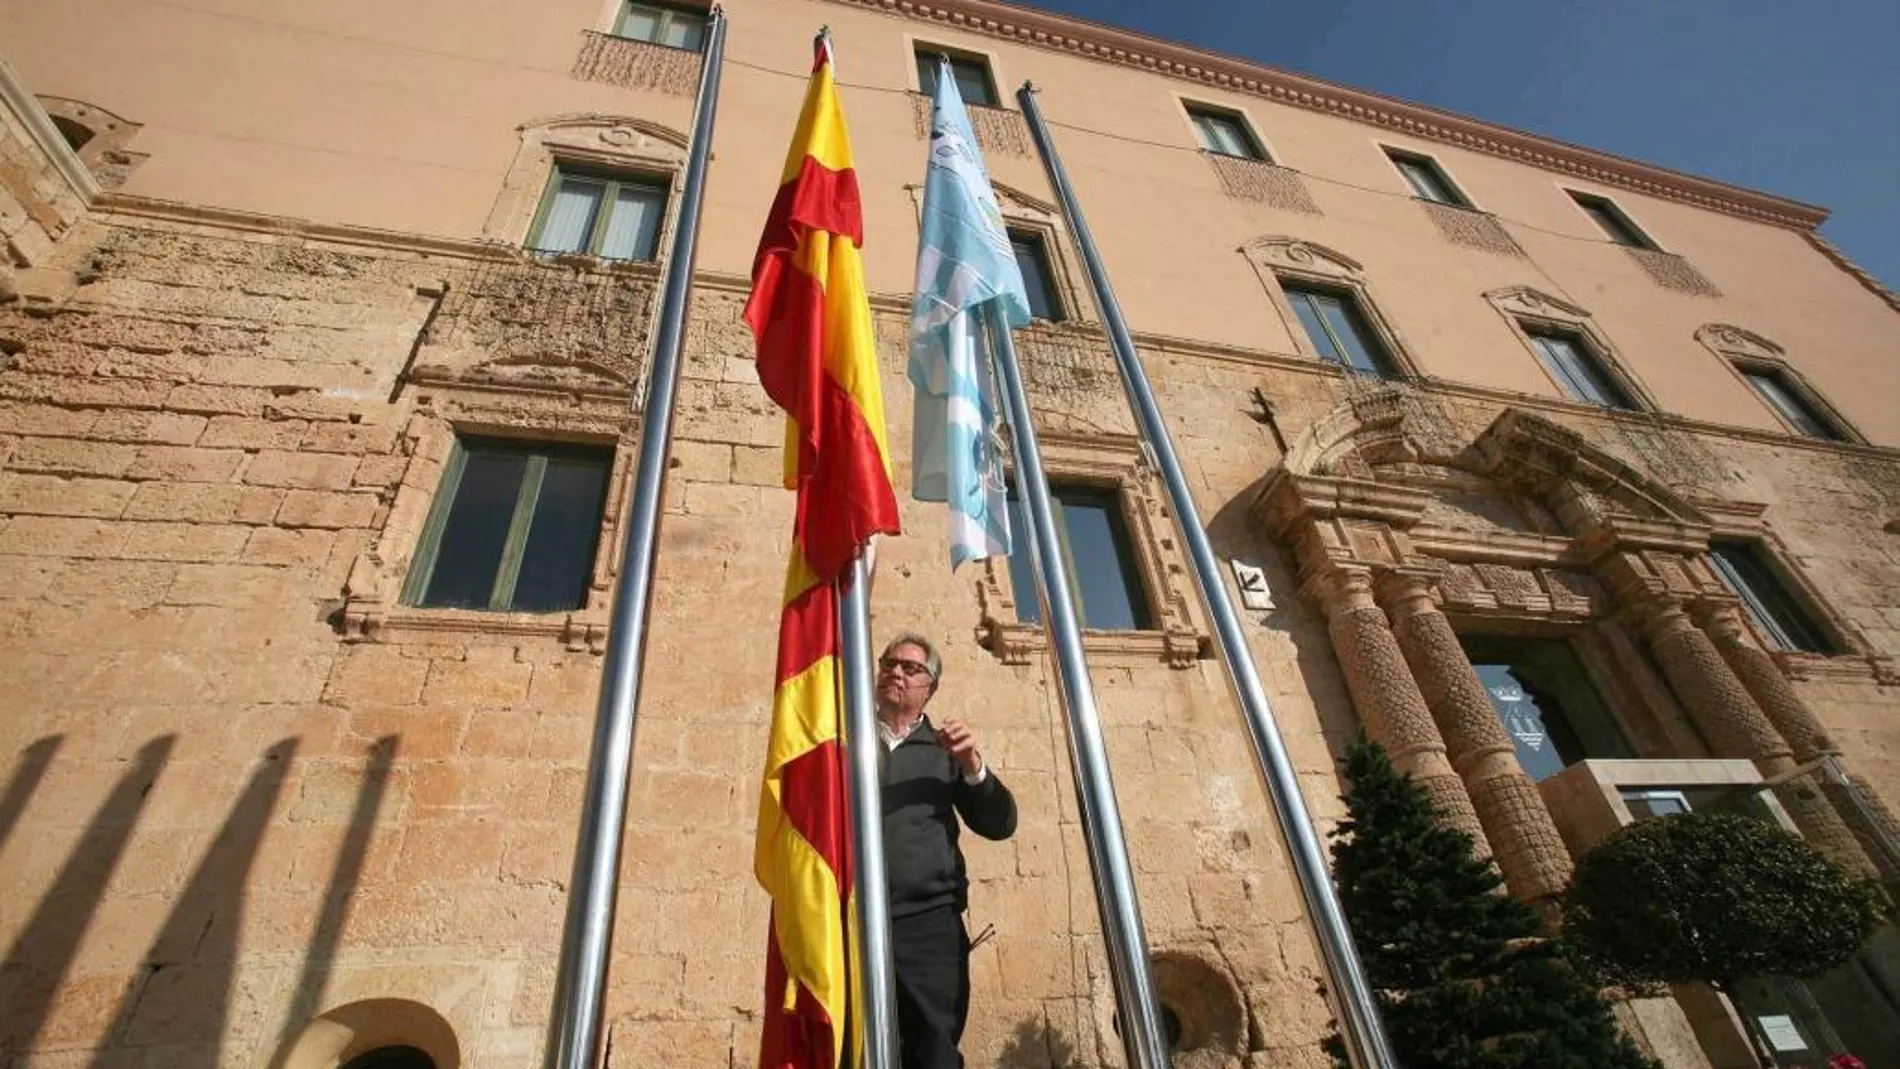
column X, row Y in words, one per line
column 817, row 360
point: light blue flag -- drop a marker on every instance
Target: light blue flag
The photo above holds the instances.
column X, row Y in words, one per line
column 965, row 270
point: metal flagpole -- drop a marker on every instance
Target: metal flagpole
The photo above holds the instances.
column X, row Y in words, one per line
column 580, row 981
column 876, row 980
column 1127, row 944
column 1361, row 1028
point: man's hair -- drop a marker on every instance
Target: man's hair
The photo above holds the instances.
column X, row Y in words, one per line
column 932, row 660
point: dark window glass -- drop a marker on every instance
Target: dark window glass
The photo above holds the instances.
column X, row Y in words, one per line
column 1426, row 180
column 1099, row 555
column 1774, row 610
column 662, row 24
column 1578, row 372
column 1547, row 704
column 614, row 217
column 514, row 529
column 564, row 532
column 1225, row 134
column 1646, row 803
column 75, row 135
column 1338, row 330
column 1611, row 220
column 972, row 75
column 1032, row 258
column 1790, row 405
column 391, row 1058
column 476, row 531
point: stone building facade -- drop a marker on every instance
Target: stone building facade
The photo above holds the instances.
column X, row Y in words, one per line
column 268, row 287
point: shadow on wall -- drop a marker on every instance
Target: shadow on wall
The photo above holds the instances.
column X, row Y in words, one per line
column 1035, row 1045
column 181, row 991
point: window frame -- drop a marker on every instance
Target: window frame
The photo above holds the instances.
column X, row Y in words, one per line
column 1813, row 633
column 1197, row 111
column 1140, row 596
column 1281, row 260
column 667, row 12
column 1296, row 290
column 503, row 588
column 1620, row 220
column 1796, row 397
column 1038, row 243
column 1402, row 158
column 1596, row 374
column 613, row 179
column 924, row 53
column 1746, row 353
column 1179, row 635
column 1527, row 312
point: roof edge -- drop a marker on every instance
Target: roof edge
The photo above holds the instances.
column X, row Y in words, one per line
column 1129, row 48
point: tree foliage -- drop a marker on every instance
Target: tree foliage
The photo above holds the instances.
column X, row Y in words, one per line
column 1713, row 898
column 1463, row 978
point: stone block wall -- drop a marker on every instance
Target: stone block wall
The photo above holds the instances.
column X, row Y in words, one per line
column 246, row 786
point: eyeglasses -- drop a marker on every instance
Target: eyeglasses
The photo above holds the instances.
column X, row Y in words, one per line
column 903, row 665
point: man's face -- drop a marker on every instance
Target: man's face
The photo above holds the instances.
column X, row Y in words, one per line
column 903, row 681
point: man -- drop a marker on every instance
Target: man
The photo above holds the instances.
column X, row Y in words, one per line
column 931, row 775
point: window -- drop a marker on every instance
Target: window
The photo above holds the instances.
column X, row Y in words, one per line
column 1648, row 802
column 1543, row 695
column 1224, row 133
column 1788, row 403
column 75, row 134
column 1032, row 258
column 513, row 529
column 974, row 84
column 614, row 217
column 1769, row 604
column 1101, row 560
column 662, row 24
column 1579, row 372
column 1338, row 329
column 1428, row 182
column 1611, row 220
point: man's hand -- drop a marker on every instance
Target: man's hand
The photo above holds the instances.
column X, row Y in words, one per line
column 954, row 735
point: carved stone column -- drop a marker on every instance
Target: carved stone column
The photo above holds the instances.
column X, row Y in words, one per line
column 1531, row 853
column 1734, row 724
column 1762, row 676
column 1708, row 689
column 1387, row 697
column 1806, row 735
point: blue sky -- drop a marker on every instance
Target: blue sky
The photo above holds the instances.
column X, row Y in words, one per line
column 1797, row 99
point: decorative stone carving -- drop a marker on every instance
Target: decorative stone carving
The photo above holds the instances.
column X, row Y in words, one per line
column 1307, row 257
column 578, row 326
column 1674, row 272
column 1257, row 180
column 1479, row 230
column 1523, row 300
column 632, row 64
column 1722, row 619
column 1387, row 696
column 998, row 130
column 1529, row 850
column 1731, row 340
column 101, row 138
column 1072, row 380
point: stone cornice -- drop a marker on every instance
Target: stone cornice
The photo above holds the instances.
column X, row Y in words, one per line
column 112, row 206
column 1057, row 33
